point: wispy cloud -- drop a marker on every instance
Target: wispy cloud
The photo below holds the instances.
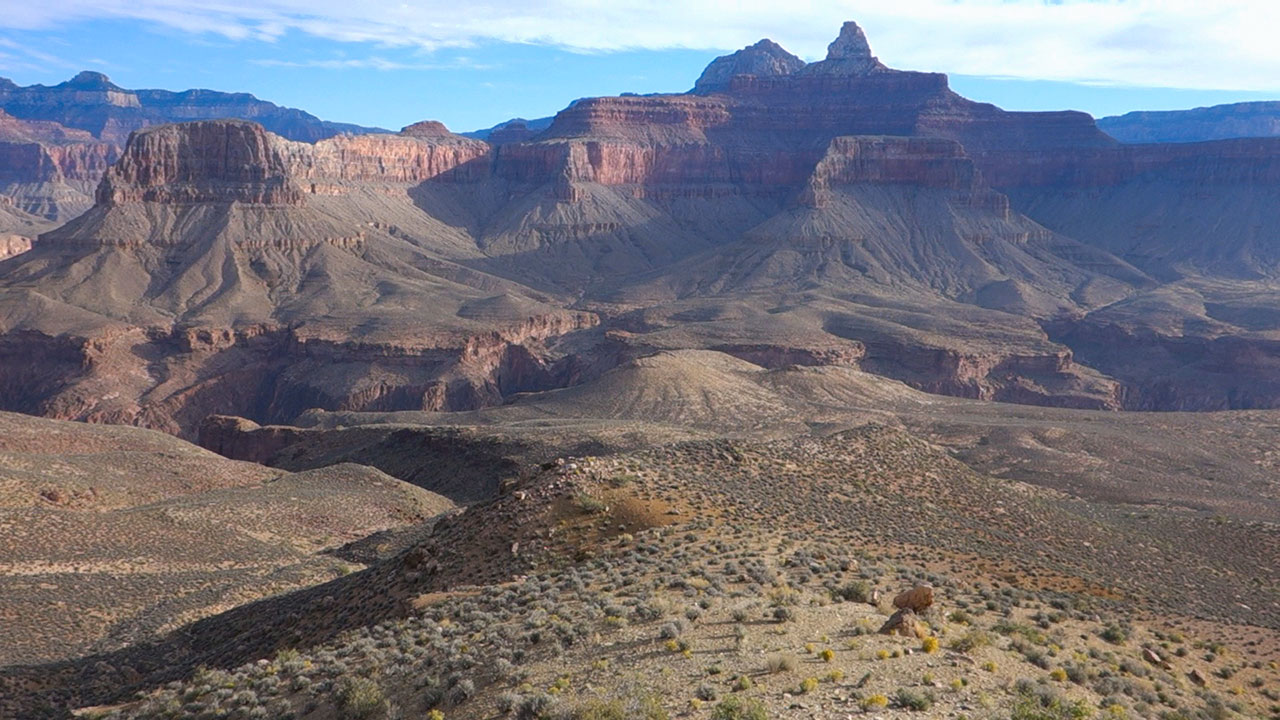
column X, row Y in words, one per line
column 372, row 63
column 1225, row 44
column 18, row 57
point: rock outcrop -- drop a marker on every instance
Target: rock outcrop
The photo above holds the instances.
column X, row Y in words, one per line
column 11, row 245
column 764, row 59
column 57, row 142
column 918, row 599
column 201, row 162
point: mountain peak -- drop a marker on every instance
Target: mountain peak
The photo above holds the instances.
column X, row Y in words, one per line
column 90, row 80
column 766, row 58
column 426, row 129
column 850, row 45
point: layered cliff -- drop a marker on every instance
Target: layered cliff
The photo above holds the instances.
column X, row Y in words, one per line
column 49, row 170
column 1220, row 122
column 838, row 212
column 57, row 142
column 91, row 102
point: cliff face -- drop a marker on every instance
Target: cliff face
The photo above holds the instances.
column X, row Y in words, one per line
column 1220, row 122
column 202, row 162
column 57, row 142
column 91, row 102
column 49, row 170
column 832, row 213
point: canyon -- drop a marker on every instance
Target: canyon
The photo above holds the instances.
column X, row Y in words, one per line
column 787, row 213
column 608, row 414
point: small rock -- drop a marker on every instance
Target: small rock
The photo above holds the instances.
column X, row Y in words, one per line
column 1197, row 678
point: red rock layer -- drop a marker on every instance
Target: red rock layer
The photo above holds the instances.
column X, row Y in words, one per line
column 235, row 161
column 1249, row 160
column 215, row 161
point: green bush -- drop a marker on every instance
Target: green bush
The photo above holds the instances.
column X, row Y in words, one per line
column 913, row 700
column 739, row 708
column 971, row 641
column 853, row 591
column 361, row 698
column 1049, row 707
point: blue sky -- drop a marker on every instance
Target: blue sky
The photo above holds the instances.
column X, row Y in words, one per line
column 432, row 61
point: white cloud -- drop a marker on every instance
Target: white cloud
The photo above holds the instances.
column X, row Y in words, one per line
column 371, row 63
column 1224, row 44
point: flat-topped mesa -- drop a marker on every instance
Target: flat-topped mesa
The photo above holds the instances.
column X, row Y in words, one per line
column 648, row 119
column 764, row 59
column 420, row 152
column 217, row 161
column 426, row 129
column 94, row 87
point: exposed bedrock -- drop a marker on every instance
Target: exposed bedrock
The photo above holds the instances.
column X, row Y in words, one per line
column 171, row 380
column 1163, row 372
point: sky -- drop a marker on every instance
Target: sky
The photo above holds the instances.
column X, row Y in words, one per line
column 389, row 63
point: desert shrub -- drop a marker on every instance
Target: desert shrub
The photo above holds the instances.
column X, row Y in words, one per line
column 742, row 683
column 827, row 655
column 913, row 700
column 361, row 698
column 1114, row 634
column 853, row 591
column 929, row 644
column 739, row 708
column 632, row 705
column 808, row 685
column 588, row 503
column 971, row 641
column 874, row 702
column 780, row 662
column 535, row 707
column 1048, row 705
column 459, row 693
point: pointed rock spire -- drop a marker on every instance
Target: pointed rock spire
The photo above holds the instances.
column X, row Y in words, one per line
column 848, row 54
column 851, row 45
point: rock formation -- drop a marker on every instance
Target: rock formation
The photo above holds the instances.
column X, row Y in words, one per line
column 764, row 59
column 56, row 142
column 839, row 212
column 918, row 599
column 1220, row 122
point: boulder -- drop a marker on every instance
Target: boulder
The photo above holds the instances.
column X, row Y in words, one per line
column 917, row 599
column 903, row 623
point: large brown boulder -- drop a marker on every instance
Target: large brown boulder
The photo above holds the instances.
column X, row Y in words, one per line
column 917, row 599
column 903, row 623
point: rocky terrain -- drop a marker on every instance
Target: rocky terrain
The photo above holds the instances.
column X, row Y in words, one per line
column 817, row 391
column 116, row 535
column 683, row 567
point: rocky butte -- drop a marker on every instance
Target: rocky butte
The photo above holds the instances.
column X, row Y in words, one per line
column 835, row 212
column 56, row 142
